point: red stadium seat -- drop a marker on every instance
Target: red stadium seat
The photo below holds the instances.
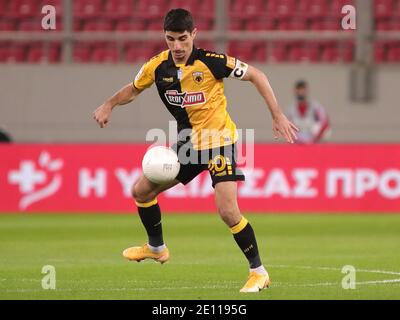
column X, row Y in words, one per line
column 119, row 8
column 175, row 3
column 16, row 53
column 281, row 8
column 242, row 50
column 36, row 53
column 151, row 9
column 331, row 23
column 297, row 52
column 283, row 24
column 316, row 24
column 396, row 10
column 260, row 52
column 154, row 25
column 236, row 24
column 314, row 51
column 382, row 24
column 383, row 8
column 98, row 55
column 393, row 53
column 247, row 9
column 105, row 53
column 7, row 25
column 379, row 52
column 156, row 47
column 199, row 9
column 279, row 51
column 3, row 54
column 3, row 7
column 394, row 24
column 130, row 55
column 87, row 8
column 347, row 51
column 204, row 24
column 81, row 52
column 139, row 51
column 30, row 25
column 98, row 25
column 4, row 45
column 205, row 9
column 188, row 5
column 264, row 23
column 23, row 8
column 77, row 24
column 330, row 53
column 327, row 23
column 54, row 52
column 31, row 52
column 291, row 23
column 297, row 23
column 130, row 25
column 313, row 8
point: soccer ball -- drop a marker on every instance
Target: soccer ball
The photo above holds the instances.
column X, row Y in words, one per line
column 160, row 164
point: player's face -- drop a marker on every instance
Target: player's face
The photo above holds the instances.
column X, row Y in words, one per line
column 180, row 44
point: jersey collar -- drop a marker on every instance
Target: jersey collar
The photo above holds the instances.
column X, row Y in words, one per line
column 190, row 61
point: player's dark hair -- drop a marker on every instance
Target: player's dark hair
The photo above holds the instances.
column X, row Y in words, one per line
column 178, row 20
column 301, row 84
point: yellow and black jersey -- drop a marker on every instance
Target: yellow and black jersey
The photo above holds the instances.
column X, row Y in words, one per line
column 194, row 93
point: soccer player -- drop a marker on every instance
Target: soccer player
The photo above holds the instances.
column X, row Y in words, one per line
column 190, row 84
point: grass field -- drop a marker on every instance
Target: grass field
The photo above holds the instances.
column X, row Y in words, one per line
column 304, row 255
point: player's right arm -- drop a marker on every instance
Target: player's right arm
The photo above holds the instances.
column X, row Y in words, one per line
column 143, row 80
column 125, row 95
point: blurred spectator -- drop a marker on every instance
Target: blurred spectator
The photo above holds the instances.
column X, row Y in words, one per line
column 309, row 116
column 4, row 136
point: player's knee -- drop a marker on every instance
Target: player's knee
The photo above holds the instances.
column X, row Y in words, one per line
column 229, row 214
column 140, row 196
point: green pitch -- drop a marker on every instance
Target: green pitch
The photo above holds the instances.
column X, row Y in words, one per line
column 304, row 255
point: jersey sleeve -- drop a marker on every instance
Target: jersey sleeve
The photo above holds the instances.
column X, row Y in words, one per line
column 145, row 77
column 224, row 66
column 238, row 68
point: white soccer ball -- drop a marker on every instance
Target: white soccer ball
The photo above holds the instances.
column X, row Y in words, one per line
column 160, row 164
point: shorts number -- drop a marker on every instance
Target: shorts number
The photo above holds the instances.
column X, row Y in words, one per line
column 217, row 164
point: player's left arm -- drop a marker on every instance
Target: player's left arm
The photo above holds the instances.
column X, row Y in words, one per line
column 281, row 126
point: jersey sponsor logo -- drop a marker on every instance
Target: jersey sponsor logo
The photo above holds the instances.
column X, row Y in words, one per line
column 198, row 77
column 170, row 79
column 185, row 99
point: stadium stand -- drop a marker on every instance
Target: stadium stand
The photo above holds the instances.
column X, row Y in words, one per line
column 145, row 15
column 30, row 52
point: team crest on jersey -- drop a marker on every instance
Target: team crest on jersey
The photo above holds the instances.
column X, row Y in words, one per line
column 185, row 99
column 198, row 77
